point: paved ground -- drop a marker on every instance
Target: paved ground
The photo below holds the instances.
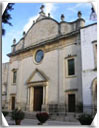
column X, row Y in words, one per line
column 31, row 122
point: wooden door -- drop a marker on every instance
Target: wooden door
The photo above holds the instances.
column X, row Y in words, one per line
column 13, row 103
column 38, row 98
column 71, row 102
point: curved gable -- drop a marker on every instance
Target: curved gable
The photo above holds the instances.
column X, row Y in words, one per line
column 65, row 27
column 43, row 30
column 19, row 45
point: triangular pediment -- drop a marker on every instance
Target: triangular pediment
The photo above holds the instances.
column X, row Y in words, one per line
column 37, row 76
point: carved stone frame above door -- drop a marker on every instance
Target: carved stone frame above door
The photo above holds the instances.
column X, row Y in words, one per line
column 71, row 92
column 37, row 79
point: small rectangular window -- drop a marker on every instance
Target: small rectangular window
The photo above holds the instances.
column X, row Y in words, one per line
column 71, row 67
column 14, row 76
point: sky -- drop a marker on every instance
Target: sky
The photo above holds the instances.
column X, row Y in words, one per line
column 24, row 14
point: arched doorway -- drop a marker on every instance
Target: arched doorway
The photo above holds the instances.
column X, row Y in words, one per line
column 94, row 95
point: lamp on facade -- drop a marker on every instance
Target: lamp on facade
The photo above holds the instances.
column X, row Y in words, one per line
column 93, row 15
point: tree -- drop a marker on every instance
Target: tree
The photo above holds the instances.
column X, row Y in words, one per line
column 6, row 16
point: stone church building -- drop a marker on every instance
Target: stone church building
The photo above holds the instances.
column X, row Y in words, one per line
column 45, row 67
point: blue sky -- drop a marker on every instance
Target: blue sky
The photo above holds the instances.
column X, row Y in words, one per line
column 24, row 14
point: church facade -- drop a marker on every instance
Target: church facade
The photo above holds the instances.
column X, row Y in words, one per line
column 45, row 67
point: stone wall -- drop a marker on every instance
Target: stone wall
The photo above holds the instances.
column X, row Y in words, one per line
column 59, row 41
column 89, row 72
column 5, row 69
column 53, row 66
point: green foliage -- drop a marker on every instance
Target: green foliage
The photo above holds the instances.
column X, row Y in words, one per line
column 80, row 107
column 5, row 113
column 6, row 16
column 85, row 119
column 42, row 117
column 17, row 114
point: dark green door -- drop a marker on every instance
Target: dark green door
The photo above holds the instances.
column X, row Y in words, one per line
column 38, row 98
column 13, row 102
column 71, row 102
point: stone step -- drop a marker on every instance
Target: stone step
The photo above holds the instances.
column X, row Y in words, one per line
column 31, row 115
column 28, row 115
column 73, row 115
column 70, row 119
column 67, row 118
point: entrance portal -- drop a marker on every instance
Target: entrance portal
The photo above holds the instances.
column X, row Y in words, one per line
column 71, row 102
column 38, row 98
column 13, row 103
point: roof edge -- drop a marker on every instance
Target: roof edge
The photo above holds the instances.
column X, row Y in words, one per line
column 89, row 25
column 43, row 43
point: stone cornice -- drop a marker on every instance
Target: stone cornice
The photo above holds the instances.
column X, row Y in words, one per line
column 89, row 25
column 59, row 37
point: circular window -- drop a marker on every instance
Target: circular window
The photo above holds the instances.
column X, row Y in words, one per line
column 39, row 56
